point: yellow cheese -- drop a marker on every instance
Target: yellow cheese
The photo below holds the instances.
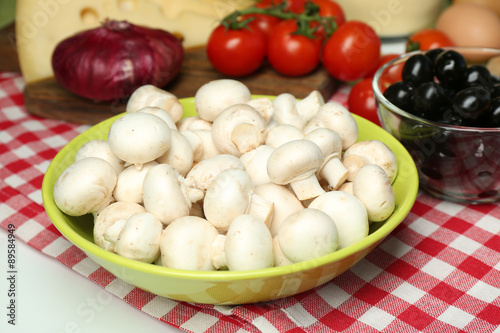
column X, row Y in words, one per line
column 42, row 24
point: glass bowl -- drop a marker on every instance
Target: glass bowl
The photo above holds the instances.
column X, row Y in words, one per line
column 455, row 163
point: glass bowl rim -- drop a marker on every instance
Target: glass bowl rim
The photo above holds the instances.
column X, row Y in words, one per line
column 380, row 98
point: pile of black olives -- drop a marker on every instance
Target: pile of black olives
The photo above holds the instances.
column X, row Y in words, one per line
column 440, row 86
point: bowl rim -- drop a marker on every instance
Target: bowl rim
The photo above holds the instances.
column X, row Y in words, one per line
column 92, row 250
column 380, row 98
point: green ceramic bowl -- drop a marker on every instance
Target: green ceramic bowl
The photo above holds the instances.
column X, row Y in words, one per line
column 229, row 287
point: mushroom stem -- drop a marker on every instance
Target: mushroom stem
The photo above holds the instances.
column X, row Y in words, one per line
column 246, row 137
column 334, row 172
column 307, row 188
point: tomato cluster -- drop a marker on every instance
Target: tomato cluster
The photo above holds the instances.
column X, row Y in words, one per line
column 349, row 53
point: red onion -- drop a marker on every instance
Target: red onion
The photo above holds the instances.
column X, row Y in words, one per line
column 111, row 61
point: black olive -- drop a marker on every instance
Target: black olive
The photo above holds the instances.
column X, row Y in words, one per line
column 450, row 117
column 433, row 54
column 470, row 103
column 450, row 68
column 429, row 99
column 478, row 75
column 492, row 118
column 418, row 69
column 401, row 95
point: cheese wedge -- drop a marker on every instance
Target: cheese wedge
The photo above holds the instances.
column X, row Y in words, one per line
column 42, row 24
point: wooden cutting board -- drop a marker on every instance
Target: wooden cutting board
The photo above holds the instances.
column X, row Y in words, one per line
column 46, row 98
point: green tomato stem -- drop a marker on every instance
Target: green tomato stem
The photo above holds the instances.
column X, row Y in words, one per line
column 310, row 14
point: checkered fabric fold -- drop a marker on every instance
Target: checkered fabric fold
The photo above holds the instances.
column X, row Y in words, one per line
column 439, row 271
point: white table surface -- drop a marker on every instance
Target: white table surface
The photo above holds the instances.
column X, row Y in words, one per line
column 53, row 298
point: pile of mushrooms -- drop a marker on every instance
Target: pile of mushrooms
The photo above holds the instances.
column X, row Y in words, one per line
column 245, row 184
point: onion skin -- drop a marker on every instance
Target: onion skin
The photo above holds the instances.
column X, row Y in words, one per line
column 111, row 61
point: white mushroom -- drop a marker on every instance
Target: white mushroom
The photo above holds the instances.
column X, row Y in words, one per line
column 375, row 152
column 215, row 96
column 140, row 237
column 193, row 123
column 86, row 186
column 308, row 107
column 227, row 197
column 238, row 129
column 255, row 163
column 109, row 216
column 167, row 195
column 353, row 163
column 279, row 258
column 264, row 106
column 201, row 143
column 348, row 213
column 129, row 184
column 248, row 244
column 373, row 187
column 285, row 203
column 280, row 134
column 296, row 163
column 332, row 170
column 179, row 155
column 186, row 244
column 307, row 234
column 160, row 113
column 336, row 117
column 139, row 138
column 149, row 95
column 217, row 253
column 203, row 173
column 286, row 112
column 101, row 149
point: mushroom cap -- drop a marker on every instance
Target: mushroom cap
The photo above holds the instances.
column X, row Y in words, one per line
column 164, row 194
column 227, row 197
column 285, row 203
column 326, row 139
column 336, row 117
column 373, row 188
column 280, row 134
column 307, row 234
column 186, row 244
column 179, row 155
column 228, row 129
column 101, row 149
column 348, row 213
column 215, row 96
column 286, row 112
column 150, row 95
column 203, row 173
column 139, row 138
column 140, row 237
column 160, row 113
column 255, row 162
column 376, row 152
column 294, row 160
column 129, row 183
column 91, row 176
column 308, row 107
column 108, row 216
column 248, row 244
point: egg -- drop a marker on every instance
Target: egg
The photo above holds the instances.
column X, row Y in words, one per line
column 492, row 4
column 470, row 24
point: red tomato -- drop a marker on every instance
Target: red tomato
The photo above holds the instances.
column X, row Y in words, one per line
column 262, row 21
column 329, row 8
column 236, row 52
column 427, row 39
column 352, row 51
column 290, row 54
column 361, row 101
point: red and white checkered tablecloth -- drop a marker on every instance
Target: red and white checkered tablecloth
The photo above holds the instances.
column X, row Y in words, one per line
column 439, row 271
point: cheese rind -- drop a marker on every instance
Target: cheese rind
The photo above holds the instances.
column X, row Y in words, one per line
column 42, row 24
